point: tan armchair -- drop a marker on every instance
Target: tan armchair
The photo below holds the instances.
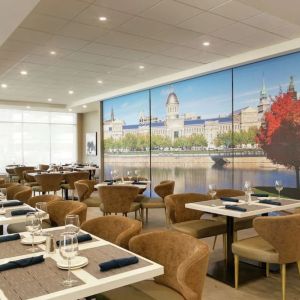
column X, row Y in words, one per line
column 4, row 186
column 185, row 268
column 115, row 229
column 278, row 242
column 48, row 182
column 19, row 192
column 70, row 179
column 43, row 198
column 163, row 189
column 10, row 170
column 118, row 199
column 58, row 210
column 19, row 172
column 29, row 180
column 84, row 189
column 43, row 167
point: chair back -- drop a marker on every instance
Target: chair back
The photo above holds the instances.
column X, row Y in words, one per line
column 19, row 192
column 117, row 198
column 75, row 176
column 49, row 182
column 43, row 167
column 165, row 188
column 28, row 178
column 176, row 210
column 58, row 210
column 10, row 170
column 19, row 171
column 84, row 188
column 185, row 265
column 8, row 184
column 43, row 198
column 228, row 193
column 2, row 181
column 283, row 234
column 115, row 229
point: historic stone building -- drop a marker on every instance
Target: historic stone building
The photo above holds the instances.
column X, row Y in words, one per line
column 177, row 125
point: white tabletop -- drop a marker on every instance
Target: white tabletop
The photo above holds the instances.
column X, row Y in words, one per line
column 125, row 183
column 253, row 208
column 92, row 285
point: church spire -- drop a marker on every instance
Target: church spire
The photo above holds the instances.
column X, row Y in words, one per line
column 112, row 115
column 291, row 89
column 263, row 92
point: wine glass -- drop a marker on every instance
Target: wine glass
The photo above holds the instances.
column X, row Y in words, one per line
column 248, row 190
column 41, row 214
column 278, row 187
column 114, row 174
column 137, row 173
column 212, row 190
column 72, row 224
column 68, row 249
column 129, row 175
column 32, row 224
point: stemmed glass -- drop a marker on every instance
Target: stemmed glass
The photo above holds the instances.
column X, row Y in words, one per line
column 248, row 190
column 72, row 224
column 129, row 175
column 114, row 174
column 32, row 224
column 137, row 173
column 212, row 190
column 278, row 187
column 68, row 249
column 41, row 214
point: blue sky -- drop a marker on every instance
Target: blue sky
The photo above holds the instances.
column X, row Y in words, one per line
column 210, row 96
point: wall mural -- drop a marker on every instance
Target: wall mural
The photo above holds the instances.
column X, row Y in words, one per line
column 200, row 131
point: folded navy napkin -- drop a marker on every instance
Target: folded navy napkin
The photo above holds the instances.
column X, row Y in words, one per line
column 229, row 199
column 21, row 212
column 109, row 180
column 267, row 201
column 235, row 207
column 138, row 182
column 118, row 263
column 9, row 237
column 11, row 203
column 22, row 263
column 81, row 238
column 260, row 195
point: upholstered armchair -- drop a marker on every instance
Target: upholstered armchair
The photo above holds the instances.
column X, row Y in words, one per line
column 115, row 229
column 18, row 192
column 71, row 178
column 84, row 189
column 19, row 172
column 48, row 183
column 277, row 242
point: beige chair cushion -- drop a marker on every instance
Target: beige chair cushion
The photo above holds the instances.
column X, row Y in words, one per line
column 134, row 206
column 239, row 224
column 20, row 227
column 200, row 228
column 65, row 186
column 92, row 202
column 257, row 249
column 144, row 290
column 31, row 184
column 153, row 203
column 37, row 188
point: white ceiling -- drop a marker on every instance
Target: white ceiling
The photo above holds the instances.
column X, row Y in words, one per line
column 165, row 36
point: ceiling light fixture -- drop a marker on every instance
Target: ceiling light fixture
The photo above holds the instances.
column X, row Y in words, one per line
column 102, row 19
column 70, row 109
column 4, row 85
column 49, row 100
column 28, row 107
column 84, row 106
column 53, row 52
column 100, row 81
column 71, row 92
column 23, row 72
column 206, row 44
column 141, row 67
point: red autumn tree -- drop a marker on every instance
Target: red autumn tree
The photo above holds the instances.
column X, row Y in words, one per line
column 279, row 137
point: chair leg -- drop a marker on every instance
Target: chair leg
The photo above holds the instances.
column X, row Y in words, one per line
column 283, row 280
column 267, row 269
column 142, row 215
column 235, row 236
column 147, row 215
column 215, row 241
column 225, row 245
column 236, row 271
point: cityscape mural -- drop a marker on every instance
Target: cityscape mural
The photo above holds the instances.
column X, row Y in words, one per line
column 201, row 131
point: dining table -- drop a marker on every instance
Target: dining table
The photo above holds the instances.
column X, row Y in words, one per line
column 43, row 281
column 224, row 270
column 141, row 185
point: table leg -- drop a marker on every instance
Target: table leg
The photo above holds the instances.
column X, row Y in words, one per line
column 1, row 229
column 229, row 258
column 66, row 194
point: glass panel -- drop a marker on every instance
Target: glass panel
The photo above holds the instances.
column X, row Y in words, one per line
column 127, row 136
column 191, row 125
column 36, row 116
column 10, row 115
column 63, row 118
column 11, row 144
column 63, row 144
column 36, row 144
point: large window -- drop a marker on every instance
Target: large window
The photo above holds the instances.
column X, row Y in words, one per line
column 33, row 137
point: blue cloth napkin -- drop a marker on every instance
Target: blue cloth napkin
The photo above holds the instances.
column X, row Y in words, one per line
column 229, row 199
column 267, row 201
column 138, row 182
column 11, row 203
column 9, row 237
column 260, row 195
column 118, row 263
column 235, row 207
column 81, row 238
column 21, row 212
column 22, row 263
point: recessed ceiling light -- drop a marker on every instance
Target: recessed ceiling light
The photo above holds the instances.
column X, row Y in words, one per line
column 4, row 85
column 71, row 92
column 70, row 109
column 28, row 107
column 84, row 106
column 53, row 52
column 206, row 44
column 100, row 81
column 23, row 72
column 141, row 67
column 49, row 100
column 102, row 19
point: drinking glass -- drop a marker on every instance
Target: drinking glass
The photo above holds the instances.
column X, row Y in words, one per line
column 248, row 190
column 41, row 214
column 2, row 208
column 137, row 173
column 129, row 175
column 72, row 224
column 278, row 187
column 32, row 224
column 68, row 249
column 212, row 190
column 114, row 174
